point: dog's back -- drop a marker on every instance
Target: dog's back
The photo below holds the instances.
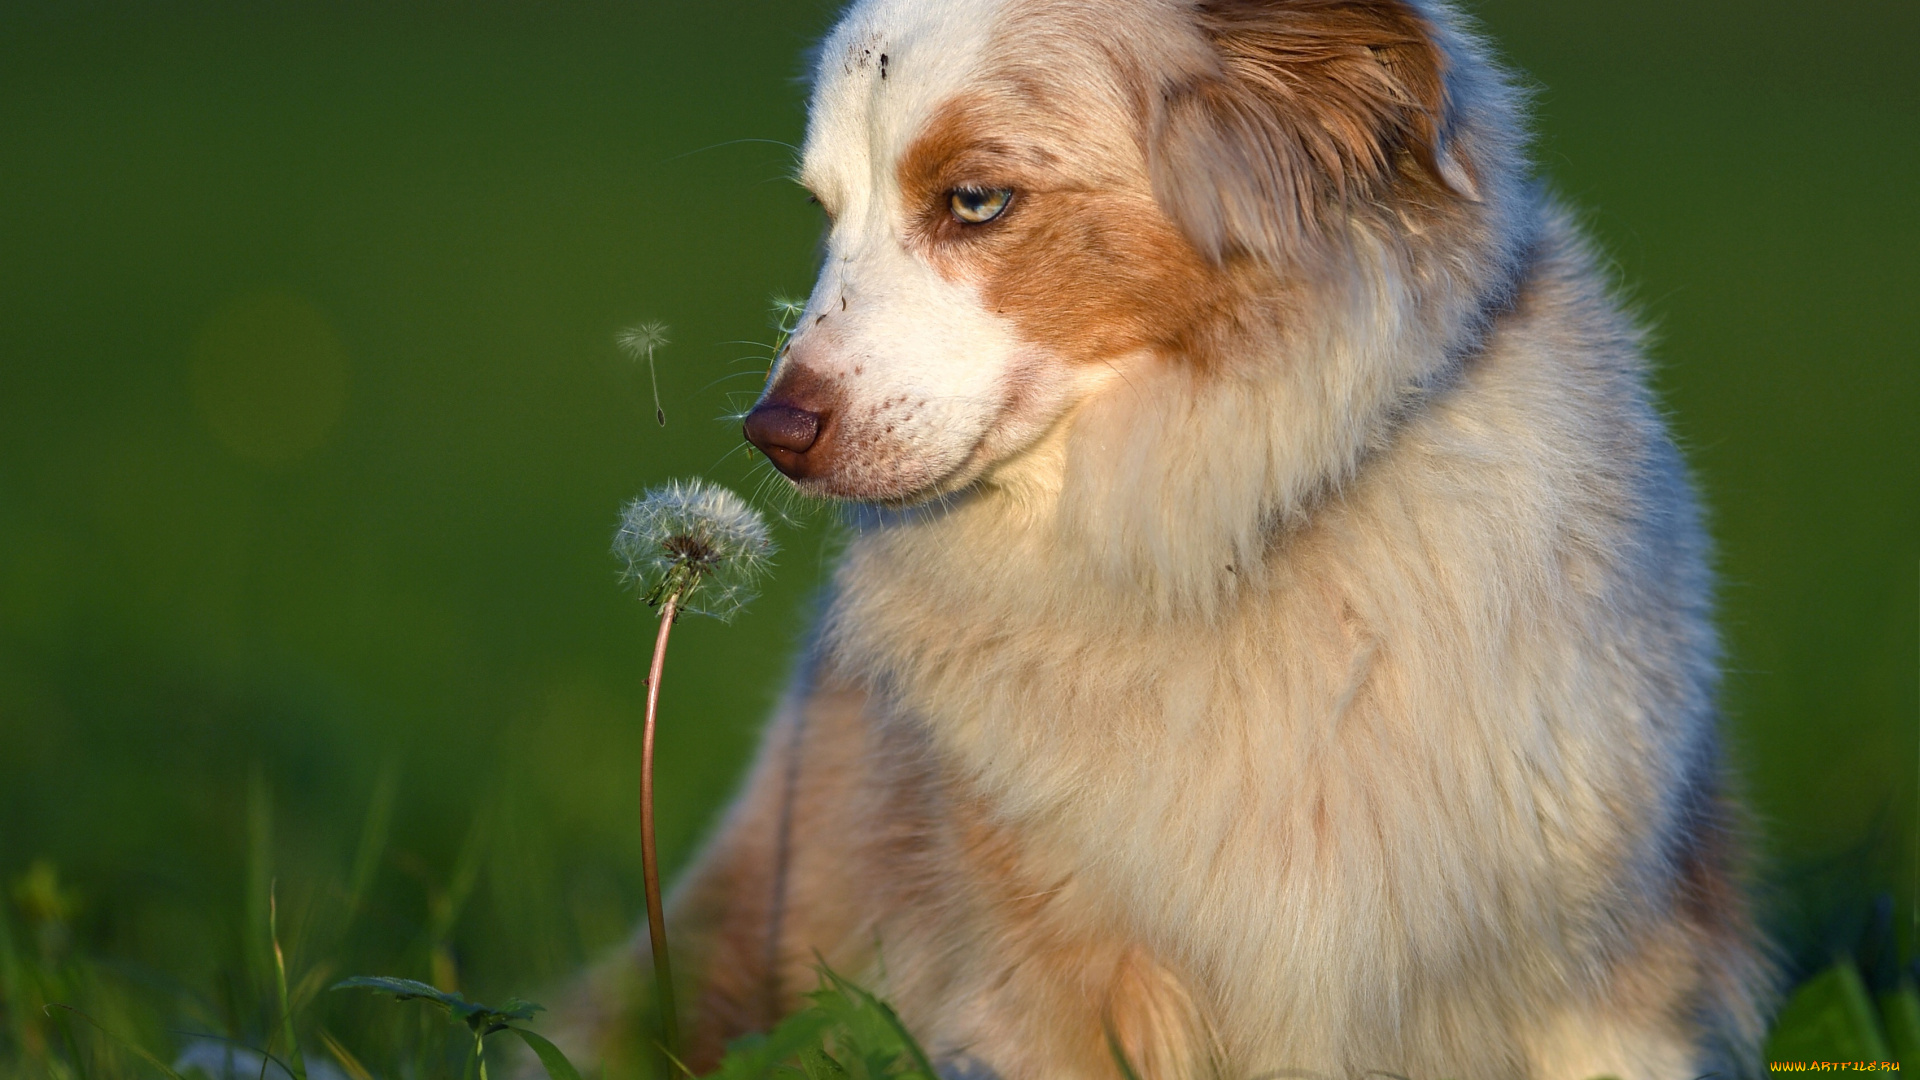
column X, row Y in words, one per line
column 1315, row 671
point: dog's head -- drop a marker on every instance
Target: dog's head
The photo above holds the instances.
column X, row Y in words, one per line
column 1037, row 203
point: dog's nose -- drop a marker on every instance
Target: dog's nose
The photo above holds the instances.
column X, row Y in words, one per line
column 772, row 426
column 782, row 432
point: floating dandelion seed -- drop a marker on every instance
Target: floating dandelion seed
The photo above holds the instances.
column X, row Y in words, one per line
column 786, row 319
column 786, row 312
column 640, row 341
column 680, row 541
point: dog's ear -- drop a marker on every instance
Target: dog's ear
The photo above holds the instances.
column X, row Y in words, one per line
column 1308, row 104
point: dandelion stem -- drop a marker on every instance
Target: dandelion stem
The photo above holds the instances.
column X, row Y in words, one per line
column 659, row 414
column 650, row 865
column 677, row 539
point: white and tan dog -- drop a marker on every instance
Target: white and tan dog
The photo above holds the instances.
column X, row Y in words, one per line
column 1278, row 631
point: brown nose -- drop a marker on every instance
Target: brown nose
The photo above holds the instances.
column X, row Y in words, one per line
column 782, row 432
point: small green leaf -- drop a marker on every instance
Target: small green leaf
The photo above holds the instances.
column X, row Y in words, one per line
column 482, row 1019
column 1829, row 1018
column 756, row 1056
column 888, row 1018
column 551, row 1059
column 403, row 989
column 1901, row 1010
column 819, row 1065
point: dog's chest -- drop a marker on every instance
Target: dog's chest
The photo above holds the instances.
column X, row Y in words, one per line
column 1259, row 803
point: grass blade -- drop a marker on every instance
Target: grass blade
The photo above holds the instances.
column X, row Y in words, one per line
column 13, row 994
column 447, row 907
column 121, row 1040
column 1120, row 1059
column 295, row 1063
column 373, row 838
column 348, row 1063
column 259, row 877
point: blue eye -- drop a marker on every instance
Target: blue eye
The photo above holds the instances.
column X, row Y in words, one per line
column 974, row 206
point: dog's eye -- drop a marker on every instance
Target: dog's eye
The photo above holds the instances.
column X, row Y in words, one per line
column 975, row 207
column 824, row 208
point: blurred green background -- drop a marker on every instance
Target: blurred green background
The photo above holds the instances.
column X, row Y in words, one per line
column 313, row 433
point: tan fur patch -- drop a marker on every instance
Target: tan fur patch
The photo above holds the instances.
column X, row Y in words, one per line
column 1089, row 274
column 1316, row 106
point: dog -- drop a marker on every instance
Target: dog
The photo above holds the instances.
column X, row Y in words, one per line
column 1275, row 631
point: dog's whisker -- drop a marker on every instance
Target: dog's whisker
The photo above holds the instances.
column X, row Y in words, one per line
column 729, row 376
column 730, row 142
column 727, row 455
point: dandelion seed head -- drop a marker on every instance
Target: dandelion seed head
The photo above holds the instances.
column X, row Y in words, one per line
column 697, row 539
column 640, row 340
column 785, row 310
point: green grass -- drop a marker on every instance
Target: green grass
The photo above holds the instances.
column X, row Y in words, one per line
column 67, row 1013
column 125, row 1028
